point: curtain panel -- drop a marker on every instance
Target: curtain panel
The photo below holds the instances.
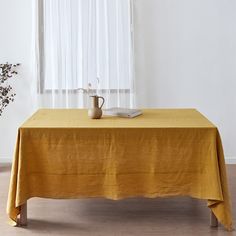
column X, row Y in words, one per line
column 82, row 48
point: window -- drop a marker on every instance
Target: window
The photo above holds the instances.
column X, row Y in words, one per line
column 86, row 42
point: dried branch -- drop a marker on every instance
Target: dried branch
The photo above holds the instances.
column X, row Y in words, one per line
column 7, row 71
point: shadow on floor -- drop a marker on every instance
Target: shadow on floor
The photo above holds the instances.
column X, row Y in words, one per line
column 50, row 226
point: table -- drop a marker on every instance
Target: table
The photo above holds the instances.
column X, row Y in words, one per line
column 61, row 153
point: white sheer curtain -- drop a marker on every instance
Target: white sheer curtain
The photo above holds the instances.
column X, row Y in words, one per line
column 85, row 47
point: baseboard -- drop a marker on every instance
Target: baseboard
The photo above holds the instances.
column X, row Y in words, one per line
column 5, row 160
column 228, row 160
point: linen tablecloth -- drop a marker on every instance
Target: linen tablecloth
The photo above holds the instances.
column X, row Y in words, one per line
column 164, row 152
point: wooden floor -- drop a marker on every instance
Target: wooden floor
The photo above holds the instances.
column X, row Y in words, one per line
column 167, row 216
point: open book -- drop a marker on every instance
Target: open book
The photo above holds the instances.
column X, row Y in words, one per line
column 122, row 112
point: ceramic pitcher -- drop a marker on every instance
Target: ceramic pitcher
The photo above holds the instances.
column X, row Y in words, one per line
column 96, row 111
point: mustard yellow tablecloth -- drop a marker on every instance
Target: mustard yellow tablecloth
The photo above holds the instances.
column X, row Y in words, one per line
column 164, row 152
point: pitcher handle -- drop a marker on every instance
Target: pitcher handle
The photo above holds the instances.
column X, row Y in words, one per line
column 103, row 100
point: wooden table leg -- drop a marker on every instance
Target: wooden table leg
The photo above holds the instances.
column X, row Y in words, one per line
column 23, row 215
column 213, row 220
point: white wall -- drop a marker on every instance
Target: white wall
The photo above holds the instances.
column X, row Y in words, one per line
column 185, row 57
column 15, row 36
